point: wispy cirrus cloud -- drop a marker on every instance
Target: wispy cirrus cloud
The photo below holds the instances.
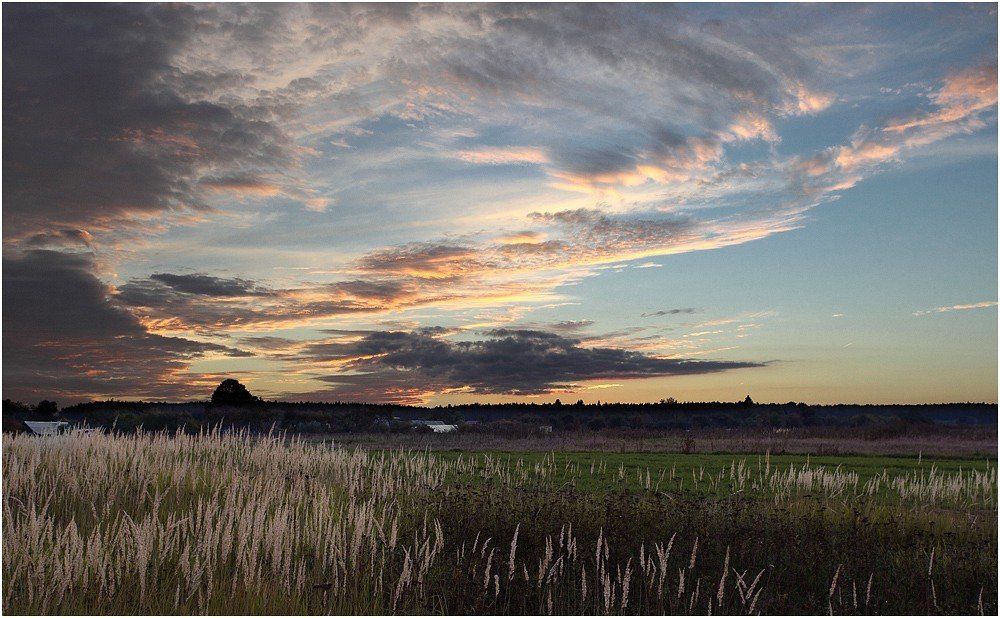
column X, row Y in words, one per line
column 964, row 102
column 503, row 156
column 948, row 309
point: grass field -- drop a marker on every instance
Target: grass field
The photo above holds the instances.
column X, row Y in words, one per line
column 935, row 441
column 713, row 474
column 232, row 523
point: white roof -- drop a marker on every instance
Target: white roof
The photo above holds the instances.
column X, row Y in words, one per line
column 442, row 428
column 45, row 428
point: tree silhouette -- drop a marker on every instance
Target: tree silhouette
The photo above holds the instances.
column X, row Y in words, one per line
column 231, row 393
column 46, row 410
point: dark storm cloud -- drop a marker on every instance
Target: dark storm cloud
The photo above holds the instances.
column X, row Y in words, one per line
column 508, row 361
column 200, row 302
column 207, row 285
column 59, row 239
column 100, row 129
column 64, row 336
column 205, row 313
column 102, row 133
column 207, row 303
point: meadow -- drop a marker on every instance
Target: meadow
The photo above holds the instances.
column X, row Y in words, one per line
column 940, row 441
column 230, row 522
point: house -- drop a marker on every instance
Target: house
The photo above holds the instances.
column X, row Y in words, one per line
column 443, row 428
column 435, row 426
column 46, row 428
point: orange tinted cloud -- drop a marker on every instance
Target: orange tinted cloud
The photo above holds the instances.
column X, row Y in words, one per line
column 865, row 152
column 503, row 156
column 963, row 94
column 522, row 237
column 753, row 125
column 807, row 101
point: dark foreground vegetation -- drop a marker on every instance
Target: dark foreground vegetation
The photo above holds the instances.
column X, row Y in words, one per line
column 811, row 556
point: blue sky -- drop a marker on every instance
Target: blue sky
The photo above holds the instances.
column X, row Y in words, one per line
column 446, row 203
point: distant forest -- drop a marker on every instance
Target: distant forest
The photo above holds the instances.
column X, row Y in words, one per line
column 232, row 406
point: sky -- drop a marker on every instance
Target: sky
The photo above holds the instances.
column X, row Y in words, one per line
column 435, row 204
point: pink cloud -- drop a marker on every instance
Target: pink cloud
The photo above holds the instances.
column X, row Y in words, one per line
column 504, row 156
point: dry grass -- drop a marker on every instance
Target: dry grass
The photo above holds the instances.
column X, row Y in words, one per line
column 230, row 523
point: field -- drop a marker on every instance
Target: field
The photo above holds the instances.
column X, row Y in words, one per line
column 233, row 523
column 971, row 442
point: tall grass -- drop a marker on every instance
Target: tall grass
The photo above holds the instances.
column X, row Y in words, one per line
column 231, row 523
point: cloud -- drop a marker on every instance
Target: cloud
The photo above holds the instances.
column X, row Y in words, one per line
column 169, row 303
column 421, row 260
column 464, row 157
column 522, row 237
column 864, row 152
column 71, row 239
column 963, row 94
column 448, row 273
column 106, row 138
column 408, row 366
column 82, row 344
column 103, row 130
column 570, row 326
column 981, row 305
column 207, row 285
column 241, row 185
column 663, row 312
column 503, row 156
column 806, row 101
column 599, row 237
column 652, row 93
column 961, row 104
column 753, row 125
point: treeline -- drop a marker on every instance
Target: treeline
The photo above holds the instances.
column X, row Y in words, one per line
column 342, row 417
